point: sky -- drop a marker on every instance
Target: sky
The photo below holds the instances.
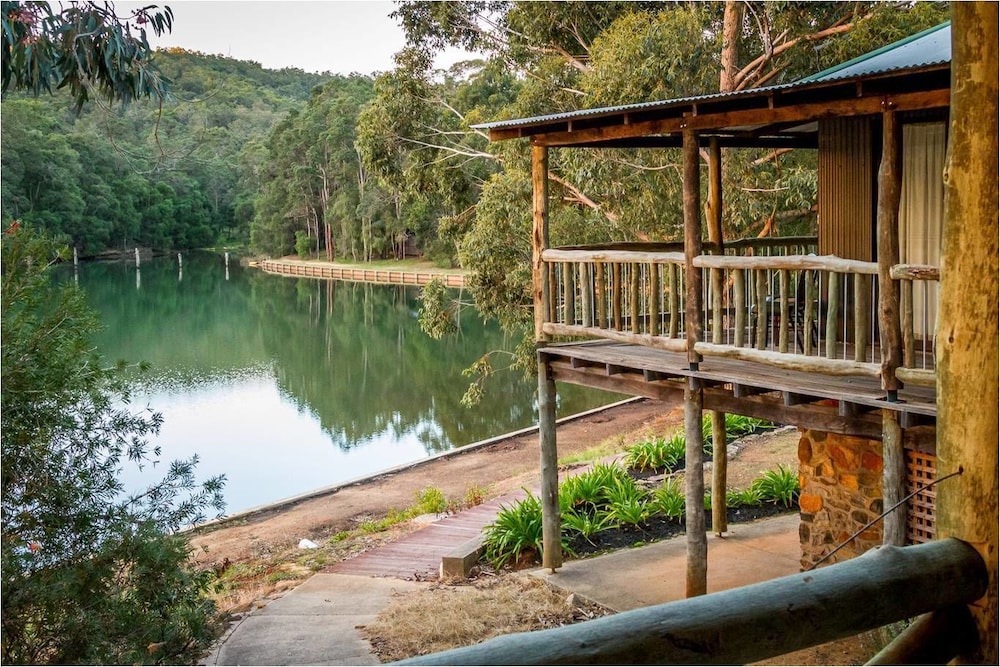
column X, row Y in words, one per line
column 341, row 37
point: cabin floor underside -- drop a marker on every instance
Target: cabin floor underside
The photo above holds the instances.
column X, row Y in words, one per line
column 851, row 405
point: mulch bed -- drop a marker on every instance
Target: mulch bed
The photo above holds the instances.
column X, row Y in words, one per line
column 660, row 528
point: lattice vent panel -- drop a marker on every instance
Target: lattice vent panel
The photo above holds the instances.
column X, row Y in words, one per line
column 921, row 468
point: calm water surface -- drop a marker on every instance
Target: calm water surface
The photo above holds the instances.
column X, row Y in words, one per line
column 287, row 385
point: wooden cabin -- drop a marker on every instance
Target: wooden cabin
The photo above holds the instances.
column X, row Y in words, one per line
column 833, row 333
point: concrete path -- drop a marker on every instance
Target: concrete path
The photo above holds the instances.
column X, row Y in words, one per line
column 314, row 624
column 654, row 574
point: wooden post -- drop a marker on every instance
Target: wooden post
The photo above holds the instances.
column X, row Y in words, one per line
column 551, row 521
column 808, row 315
column 616, row 295
column 692, row 243
column 633, row 288
column 832, row 313
column 906, row 316
column 675, row 300
column 137, row 258
column 586, row 294
column 654, row 299
column 893, row 479
column 890, row 185
column 968, row 319
column 600, row 318
column 720, row 457
column 761, row 301
column 861, row 303
column 569, row 293
column 739, row 297
column 783, row 313
column 694, row 480
column 540, row 235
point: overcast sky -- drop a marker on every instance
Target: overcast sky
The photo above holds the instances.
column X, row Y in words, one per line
column 341, row 37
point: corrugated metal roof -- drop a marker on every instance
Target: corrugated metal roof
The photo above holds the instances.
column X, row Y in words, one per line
column 927, row 48
column 930, row 47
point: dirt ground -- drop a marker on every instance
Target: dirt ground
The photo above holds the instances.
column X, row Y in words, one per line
column 501, row 467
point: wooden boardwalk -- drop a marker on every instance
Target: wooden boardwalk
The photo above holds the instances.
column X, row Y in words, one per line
column 288, row 267
column 417, row 556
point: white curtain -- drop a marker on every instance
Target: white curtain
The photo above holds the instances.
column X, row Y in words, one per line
column 921, row 218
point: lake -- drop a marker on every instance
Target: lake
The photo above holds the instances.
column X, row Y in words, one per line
column 288, row 385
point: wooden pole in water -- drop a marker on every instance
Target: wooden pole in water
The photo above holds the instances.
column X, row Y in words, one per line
column 694, row 481
column 137, row 258
column 968, row 318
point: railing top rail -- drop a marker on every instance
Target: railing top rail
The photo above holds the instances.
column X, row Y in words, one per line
column 915, row 272
column 678, row 246
column 788, row 262
column 601, row 255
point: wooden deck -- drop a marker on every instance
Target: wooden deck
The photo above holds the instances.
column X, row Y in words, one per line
column 839, row 404
column 417, row 556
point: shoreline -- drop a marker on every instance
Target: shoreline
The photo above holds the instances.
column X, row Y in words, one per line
column 291, row 501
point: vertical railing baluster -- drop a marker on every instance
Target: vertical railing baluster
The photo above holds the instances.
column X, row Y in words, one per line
column 761, row 301
column 906, row 317
column 783, row 305
column 654, row 299
column 832, row 306
column 634, row 293
column 808, row 314
column 716, row 278
column 616, row 295
column 586, row 295
column 739, row 292
column 675, row 300
column 553, row 300
column 860, row 317
column 599, row 287
column 569, row 292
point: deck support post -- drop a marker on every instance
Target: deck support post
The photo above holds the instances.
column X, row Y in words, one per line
column 720, row 458
column 694, row 480
column 967, row 362
column 540, row 235
column 890, row 185
column 893, row 479
column 551, row 528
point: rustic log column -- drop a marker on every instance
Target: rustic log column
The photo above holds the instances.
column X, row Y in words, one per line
column 893, row 479
column 968, row 319
column 551, row 521
column 890, row 180
column 694, row 479
column 720, row 458
column 540, row 235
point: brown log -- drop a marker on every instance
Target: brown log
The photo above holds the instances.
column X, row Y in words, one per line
column 915, row 272
column 739, row 294
column 601, row 313
column 658, row 342
column 720, row 464
column 932, row 639
column 645, row 257
column 792, row 362
column 539, row 234
column 549, row 466
column 788, row 262
column 692, row 243
column 616, row 296
column 861, row 292
column 832, row 313
column 634, row 291
column 586, row 294
column 893, row 479
column 918, row 376
column 968, row 318
column 890, row 183
column 569, row 295
column 906, row 321
column 694, row 492
column 751, row 623
column 673, row 271
column 654, row 300
column 761, row 304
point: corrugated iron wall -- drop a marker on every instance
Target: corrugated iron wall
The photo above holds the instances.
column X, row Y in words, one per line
column 847, row 171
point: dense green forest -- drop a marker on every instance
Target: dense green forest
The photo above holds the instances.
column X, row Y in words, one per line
column 355, row 167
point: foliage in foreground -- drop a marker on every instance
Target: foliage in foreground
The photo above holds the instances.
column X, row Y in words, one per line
column 607, row 497
column 91, row 573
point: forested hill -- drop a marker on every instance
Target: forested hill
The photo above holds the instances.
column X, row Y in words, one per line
column 180, row 177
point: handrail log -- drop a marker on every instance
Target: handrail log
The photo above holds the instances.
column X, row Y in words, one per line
column 630, row 256
column 919, row 376
column 789, row 262
column 915, row 272
column 755, row 622
column 658, row 342
column 792, row 362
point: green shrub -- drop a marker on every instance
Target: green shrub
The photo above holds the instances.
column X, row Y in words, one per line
column 303, row 245
column 749, row 497
column 582, row 491
column 668, row 500
column 655, row 454
column 517, row 530
column 737, row 426
column 430, row 500
column 628, row 502
column 780, row 486
column 586, row 524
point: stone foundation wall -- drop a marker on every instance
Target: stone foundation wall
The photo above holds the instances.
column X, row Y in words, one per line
column 841, row 490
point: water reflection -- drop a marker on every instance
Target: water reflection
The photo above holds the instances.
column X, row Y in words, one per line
column 287, row 384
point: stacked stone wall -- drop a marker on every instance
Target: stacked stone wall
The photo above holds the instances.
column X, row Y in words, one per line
column 840, row 478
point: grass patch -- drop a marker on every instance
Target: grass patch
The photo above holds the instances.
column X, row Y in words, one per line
column 446, row 617
column 607, row 448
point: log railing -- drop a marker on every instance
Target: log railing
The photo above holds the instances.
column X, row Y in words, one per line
column 760, row 621
column 795, row 311
column 918, row 299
